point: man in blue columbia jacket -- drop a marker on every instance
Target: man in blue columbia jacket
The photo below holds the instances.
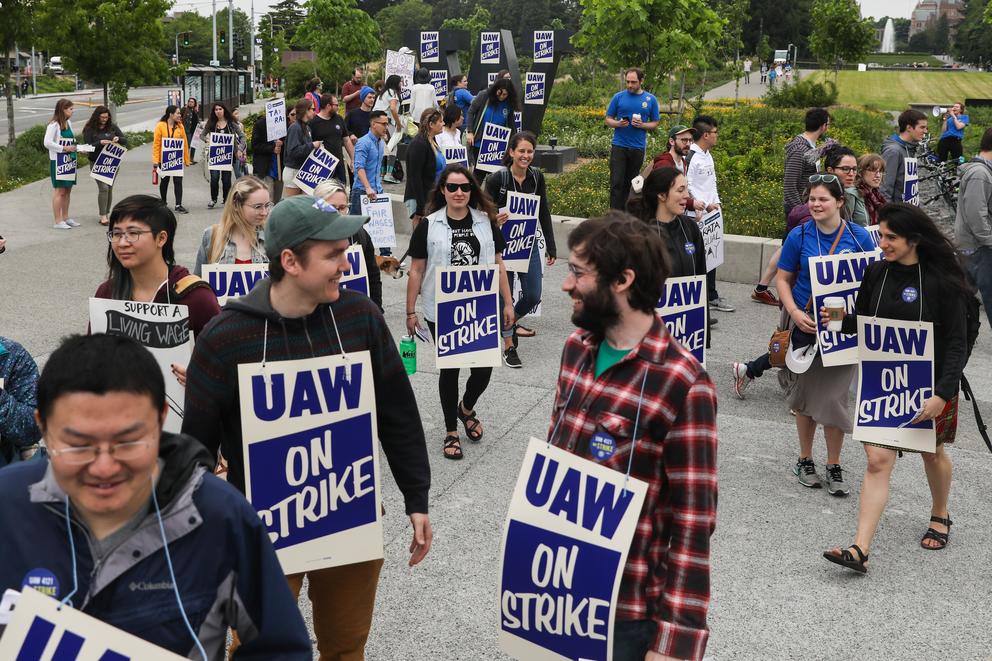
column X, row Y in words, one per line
column 113, row 479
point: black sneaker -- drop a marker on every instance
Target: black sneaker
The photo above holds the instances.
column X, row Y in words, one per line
column 181, row 209
column 511, row 359
column 211, row 204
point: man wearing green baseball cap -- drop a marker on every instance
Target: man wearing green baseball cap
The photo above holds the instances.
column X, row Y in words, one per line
column 301, row 312
column 677, row 156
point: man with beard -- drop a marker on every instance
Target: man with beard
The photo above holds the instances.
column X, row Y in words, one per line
column 622, row 372
column 677, row 156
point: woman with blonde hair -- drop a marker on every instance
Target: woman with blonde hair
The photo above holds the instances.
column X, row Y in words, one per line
column 239, row 237
column 60, row 128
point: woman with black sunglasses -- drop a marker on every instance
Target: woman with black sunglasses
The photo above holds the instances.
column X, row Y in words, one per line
column 460, row 230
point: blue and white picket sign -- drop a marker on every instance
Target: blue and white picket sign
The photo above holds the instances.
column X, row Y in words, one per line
column 489, row 45
column 41, row 629
column 439, row 78
column 163, row 329
column 711, row 227
column 520, row 230
column 312, row 458
column 318, row 168
column 874, row 231
column 518, row 120
column 683, row 308
column 838, row 275
column 430, row 50
column 65, row 164
column 544, row 46
column 534, row 88
column 456, row 155
column 107, row 164
column 495, row 139
column 275, row 119
column 467, row 317
column 220, row 152
column 563, row 556
column 911, row 181
column 233, row 280
column 491, row 77
column 895, row 377
column 380, row 226
column 357, row 277
column 173, row 157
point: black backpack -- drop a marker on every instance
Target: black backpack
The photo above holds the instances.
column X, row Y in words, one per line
column 973, row 324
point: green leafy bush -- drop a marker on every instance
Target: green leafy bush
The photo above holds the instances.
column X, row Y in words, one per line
column 807, row 93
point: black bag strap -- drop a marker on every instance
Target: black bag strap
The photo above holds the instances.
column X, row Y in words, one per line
column 970, row 396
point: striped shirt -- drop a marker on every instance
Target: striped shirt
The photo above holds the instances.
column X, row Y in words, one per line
column 798, row 170
column 667, row 575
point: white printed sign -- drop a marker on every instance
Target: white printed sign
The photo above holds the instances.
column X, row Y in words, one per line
column 275, row 119
column 439, row 78
column 520, row 230
column 467, row 317
column 173, row 157
column 233, row 280
column 544, row 46
column 711, row 226
column 911, row 182
column 401, row 64
column 683, row 308
column 65, row 162
column 489, row 48
column 495, row 139
column 534, row 89
column 108, row 163
column 357, row 277
column 311, row 453
column 838, row 275
column 430, row 51
column 380, row 226
column 456, row 155
column 220, row 152
column 318, row 168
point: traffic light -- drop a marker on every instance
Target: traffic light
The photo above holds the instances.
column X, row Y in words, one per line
column 186, row 38
column 223, row 36
column 239, row 41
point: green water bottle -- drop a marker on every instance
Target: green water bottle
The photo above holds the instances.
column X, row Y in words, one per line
column 408, row 353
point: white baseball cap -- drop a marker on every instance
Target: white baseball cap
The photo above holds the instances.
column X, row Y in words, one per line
column 802, row 351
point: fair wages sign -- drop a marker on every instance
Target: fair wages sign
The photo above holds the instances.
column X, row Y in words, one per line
column 220, row 152
column 233, row 280
column 318, row 168
column 495, row 139
column 683, row 308
column 895, row 378
column 520, row 230
column 43, row 630
column 163, row 329
column 107, row 164
column 357, row 277
column 172, row 157
column 467, row 317
column 312, row 458
column 565, row 543
column 275, row 119
column 380, row 226
column 838, row 275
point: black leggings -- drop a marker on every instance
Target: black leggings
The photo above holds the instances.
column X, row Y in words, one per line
column 177, row 186
column 949, row 146
column 477, row 383
column 215, row 178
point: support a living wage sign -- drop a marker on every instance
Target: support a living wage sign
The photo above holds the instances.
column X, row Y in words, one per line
column 565, row 543
column 467, row 317
column 895, row 377
column 311, row 455
column 233, row 280
column 318, row 168
column 838, row 275
column 105, row 168
column 520, row 230
column 683, row 308
column 40, row 629
column 495, row 139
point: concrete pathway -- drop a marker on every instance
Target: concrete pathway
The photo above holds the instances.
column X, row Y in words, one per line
column 753, row 90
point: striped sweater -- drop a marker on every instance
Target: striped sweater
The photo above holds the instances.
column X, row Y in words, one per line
column 798, row 170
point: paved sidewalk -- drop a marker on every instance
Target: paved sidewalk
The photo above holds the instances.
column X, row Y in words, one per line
column 753, row 90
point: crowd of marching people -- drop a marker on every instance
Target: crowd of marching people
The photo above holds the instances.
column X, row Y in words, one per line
column 109, row 497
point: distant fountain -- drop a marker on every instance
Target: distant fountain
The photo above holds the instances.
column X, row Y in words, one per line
column 888, row 38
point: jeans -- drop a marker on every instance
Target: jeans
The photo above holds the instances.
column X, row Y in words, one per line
column 104, row 197
column 356, row 210
column 980, row 270
column 177, row 186
column 477, row 383
column 531, row 284
column 757, row 367
column 625, row 164
column 215, row 178
column 632, row 639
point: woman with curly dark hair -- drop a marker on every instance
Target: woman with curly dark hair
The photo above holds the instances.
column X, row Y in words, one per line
column 100, row 131
column 496, row 105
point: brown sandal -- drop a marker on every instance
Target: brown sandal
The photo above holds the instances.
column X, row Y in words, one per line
column 471, row 422
column 452, row 442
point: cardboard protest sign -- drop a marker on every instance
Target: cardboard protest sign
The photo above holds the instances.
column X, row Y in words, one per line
column 357, row 278
column 163, row 329
column 683, row 308
column 107, row 164
column 874, row 233
column 233, row 280
column 495, row 139
column 43, row 630
column 196, row 140
column 534, row 89
column 456, row 155
column 544, row 46
column 401, row 64
column 895, row 377
column 467, row 317
column 838, row 275
column 430, row 51
column 318, row 168
column 65, row 162
column 911, row 182
column 489, row 46
column 220, row 152
column 439, row 78
column 275, row 119
column 563, row 556
column 711, row 226
column 312, row 458
column 173, row 157
column 380, row 226
column 520, row 230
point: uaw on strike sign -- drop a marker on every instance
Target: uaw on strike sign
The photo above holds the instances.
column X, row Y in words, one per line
column 565, row 545
column 467, row 317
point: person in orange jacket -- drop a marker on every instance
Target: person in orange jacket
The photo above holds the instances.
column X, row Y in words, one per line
column 170, row 126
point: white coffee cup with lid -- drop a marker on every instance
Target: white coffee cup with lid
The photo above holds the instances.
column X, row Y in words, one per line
column 836, row 309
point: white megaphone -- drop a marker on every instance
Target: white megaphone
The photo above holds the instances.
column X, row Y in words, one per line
column 938, row 111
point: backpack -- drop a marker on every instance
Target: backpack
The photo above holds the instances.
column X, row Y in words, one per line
column 973, row 324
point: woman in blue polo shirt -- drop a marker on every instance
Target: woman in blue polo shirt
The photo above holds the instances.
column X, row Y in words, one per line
column 952, row 133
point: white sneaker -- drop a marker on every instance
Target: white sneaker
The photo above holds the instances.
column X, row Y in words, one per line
column 741, row 379
column 71, row 223
column 62, row 226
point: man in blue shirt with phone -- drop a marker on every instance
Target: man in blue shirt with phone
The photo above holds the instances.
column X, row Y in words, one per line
column 631, row 114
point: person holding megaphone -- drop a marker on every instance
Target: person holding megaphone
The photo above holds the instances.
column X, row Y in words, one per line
column 952, row 132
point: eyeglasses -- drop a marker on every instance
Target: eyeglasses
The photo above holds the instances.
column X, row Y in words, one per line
column 258, row 207
column 87, row 454
column 465, row 188
column 576, row 272
column 824, row 178
column 847, row 169
column 385, row 123
column 131, row 235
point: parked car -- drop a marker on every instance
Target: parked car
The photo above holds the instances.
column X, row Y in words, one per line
column 55, row 65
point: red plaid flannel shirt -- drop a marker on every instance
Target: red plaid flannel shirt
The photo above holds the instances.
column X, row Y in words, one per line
column 667, row 576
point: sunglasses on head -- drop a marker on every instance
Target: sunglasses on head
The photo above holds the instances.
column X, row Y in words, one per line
column 823, row 178
column 465, row 188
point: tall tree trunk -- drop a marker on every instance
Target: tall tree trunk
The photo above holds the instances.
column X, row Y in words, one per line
column 737, row 78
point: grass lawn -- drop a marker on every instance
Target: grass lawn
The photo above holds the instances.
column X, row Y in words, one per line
column 894, row 90
column 888, row 59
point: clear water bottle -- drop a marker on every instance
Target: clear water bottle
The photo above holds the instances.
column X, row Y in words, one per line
column 408, row 353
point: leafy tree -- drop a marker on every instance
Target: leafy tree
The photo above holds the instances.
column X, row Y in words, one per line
column 273, row 46
column 921, row 42
column 114, row 43
column 16, row 28
column 782, row 24
column 441, row 10
column 764, row 50
column 839, row 33
column 734, row 13
column 289, row 15
column 941, row 42
column 373, row 7
column 340, row 34
column 479, row 20
column 200, row 49
column 521, row 17
column 973, row 41
column 395, row 20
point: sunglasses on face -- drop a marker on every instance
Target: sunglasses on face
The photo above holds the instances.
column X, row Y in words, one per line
column 465, row 188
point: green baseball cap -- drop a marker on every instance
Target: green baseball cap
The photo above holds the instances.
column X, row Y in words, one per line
column 675, row 130
column 301, row 217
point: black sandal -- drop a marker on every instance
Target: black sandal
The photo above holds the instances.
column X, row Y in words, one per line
column 451, row 442
column 847, row 559
column 940, row 537
column 472, row 431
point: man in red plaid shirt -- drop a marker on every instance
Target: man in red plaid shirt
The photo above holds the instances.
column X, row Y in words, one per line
column 622, row 368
